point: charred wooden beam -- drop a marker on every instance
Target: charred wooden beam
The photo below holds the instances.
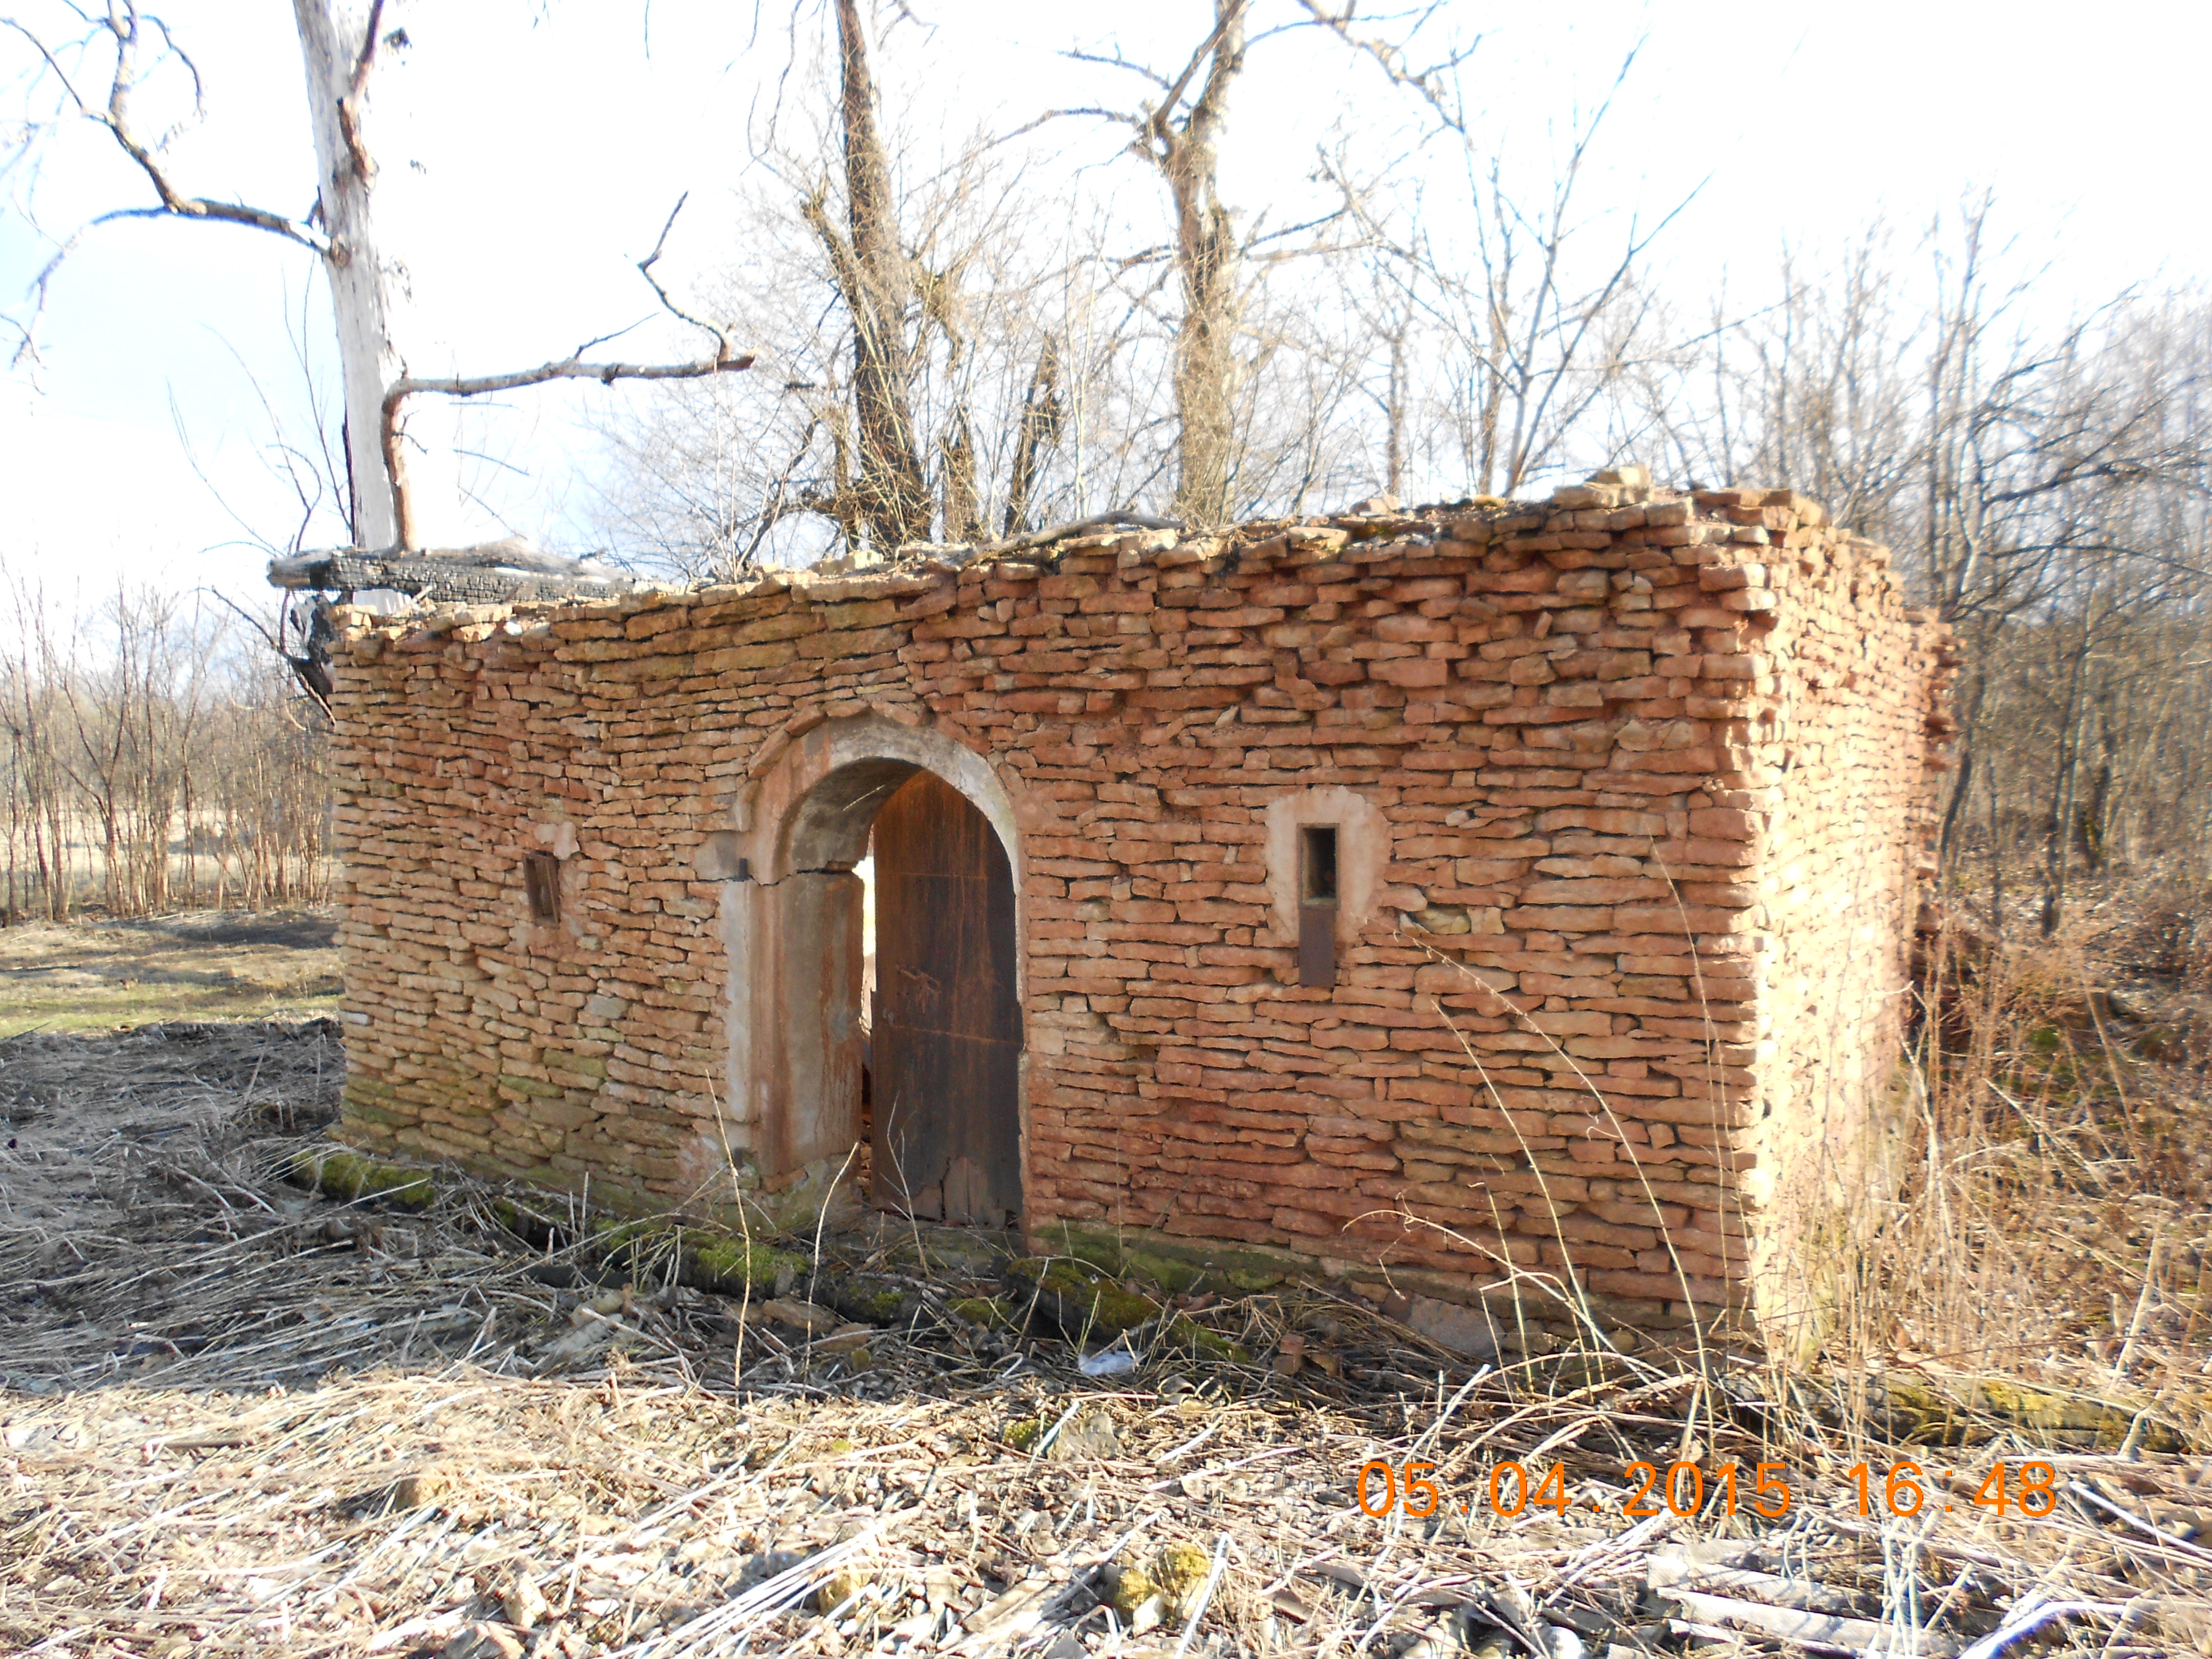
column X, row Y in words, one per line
column 499, row 572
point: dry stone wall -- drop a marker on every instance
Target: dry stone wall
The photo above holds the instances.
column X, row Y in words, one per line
column 1631, row 787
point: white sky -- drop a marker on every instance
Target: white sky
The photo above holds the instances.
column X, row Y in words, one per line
column 531, row 151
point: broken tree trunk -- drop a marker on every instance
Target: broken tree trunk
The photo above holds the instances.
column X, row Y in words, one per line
column 337, row 48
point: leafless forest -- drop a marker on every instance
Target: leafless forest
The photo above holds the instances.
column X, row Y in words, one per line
column 933, row 329
column 157, row 756
column 946, row 356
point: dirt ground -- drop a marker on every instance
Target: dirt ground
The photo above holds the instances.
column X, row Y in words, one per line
column 239, row 1416
column 202, row 964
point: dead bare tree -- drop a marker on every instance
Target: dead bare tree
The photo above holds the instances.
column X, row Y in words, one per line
column 1020, row 371
column 1819, row 387
column 934, row 353
column 1179, row 131
column 38, row 806
column 1042, row 413
column 875, row 278
column 121, row 50
column 1257, row 381
column 1541, row 329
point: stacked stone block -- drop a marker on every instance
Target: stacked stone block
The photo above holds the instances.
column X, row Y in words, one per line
column 1653, row 776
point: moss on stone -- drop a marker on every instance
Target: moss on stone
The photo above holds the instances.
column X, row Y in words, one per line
column 1084, row 1302
column 1079, row 1298
column 1923, row 1415
column 635, row 1247
column 843, row 1584
column 612, row 1236
column 351, row 1177
column 357, row 1111
column 1169, row 1274
column 1101, row 1250
column 1179, row 1572
column 872, row 1302
column 730, row 1265
column 986, row 1310
column 1024, row 1433
column 1117, row 1249
column 1187, row 1333
column 1130, row 1587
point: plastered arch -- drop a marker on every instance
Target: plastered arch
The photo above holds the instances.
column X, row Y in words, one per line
column 830, row 776
column 791, row 923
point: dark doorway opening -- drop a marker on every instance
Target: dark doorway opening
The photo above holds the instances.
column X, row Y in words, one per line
column 944, row 1087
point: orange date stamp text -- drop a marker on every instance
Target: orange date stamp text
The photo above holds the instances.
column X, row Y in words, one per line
column 1904, row 1489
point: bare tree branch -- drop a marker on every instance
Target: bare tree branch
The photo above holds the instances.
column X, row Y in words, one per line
column 645, row 269
column 123, row 29
column 363, row 164
column 565, row 368
column 1432, row 82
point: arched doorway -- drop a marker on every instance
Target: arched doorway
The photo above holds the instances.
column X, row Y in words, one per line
column 932, row 820
column 945, row 1129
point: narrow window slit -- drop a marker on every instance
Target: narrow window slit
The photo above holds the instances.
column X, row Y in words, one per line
column 1317, row 905
column 541, row 881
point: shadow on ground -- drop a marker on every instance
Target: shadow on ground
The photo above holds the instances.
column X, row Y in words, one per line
column 197, row 965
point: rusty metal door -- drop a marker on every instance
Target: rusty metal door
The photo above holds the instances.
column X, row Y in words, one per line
column 946, row 1142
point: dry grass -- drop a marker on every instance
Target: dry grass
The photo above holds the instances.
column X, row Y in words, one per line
column 95, row 974
column 2057, row 1225
column 242, row 1419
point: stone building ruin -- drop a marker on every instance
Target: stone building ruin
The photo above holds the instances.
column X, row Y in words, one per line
column 1388, row 896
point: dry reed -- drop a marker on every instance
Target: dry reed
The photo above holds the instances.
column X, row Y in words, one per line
column 239, row 1418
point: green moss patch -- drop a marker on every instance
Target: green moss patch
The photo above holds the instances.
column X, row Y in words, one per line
column 1179, row 1571
column 351, row 1178
column 989, row 1311
column 731, row 1267
column 866, row 1299
column 1191, row 1337
column 1085, row 1302
column 1251, row 1282
column 1178, row 1265
column 1171, row 1275
column 1080, row 1297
